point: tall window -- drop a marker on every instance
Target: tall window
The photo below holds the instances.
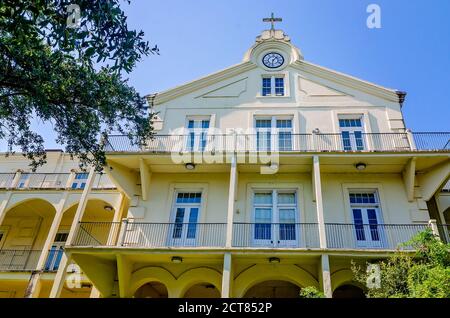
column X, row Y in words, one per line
column 186, row 214
column 197, row 134
column 273, row 86
column 56, row 251
column 352, row 133
column 275, row 215
column 366, row 218
column 275, row 130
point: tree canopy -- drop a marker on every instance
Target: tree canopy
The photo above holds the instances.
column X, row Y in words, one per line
column 425, row 274
column 68, row 70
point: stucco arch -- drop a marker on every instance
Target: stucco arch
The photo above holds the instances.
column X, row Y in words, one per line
column 17, row 200
column 152, row 274
column 259, row 273
column 196, row 276
column 73, row 200
column 343, row 277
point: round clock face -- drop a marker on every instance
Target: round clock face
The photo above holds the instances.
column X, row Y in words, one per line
column 273, row 60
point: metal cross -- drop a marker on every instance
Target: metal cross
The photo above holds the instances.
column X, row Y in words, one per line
column 272, row 20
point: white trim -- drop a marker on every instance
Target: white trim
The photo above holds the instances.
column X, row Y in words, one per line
column 187, row 187
column 377, row 187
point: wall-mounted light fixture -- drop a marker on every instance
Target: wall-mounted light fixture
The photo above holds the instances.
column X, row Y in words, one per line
column 177, row 259
column 108, row 208
column 360, row 166
column 189, row 166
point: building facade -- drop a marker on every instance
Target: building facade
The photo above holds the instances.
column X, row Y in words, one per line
column 263, row 178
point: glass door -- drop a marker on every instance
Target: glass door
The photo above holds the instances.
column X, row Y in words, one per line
column 368, row 227
column 275, row 217
column 352, row 134
column 56, row 252
column 197, row 134
column 184, row 230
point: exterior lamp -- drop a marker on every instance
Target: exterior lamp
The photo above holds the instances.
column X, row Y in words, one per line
column 177, row 259
column 108, row 208
column 360, row 166
column 189, row 166
column 274, row 260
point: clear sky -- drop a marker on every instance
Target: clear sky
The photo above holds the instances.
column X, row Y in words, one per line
column 411, row 51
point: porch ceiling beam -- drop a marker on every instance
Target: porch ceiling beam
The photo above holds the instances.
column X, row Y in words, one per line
column 145, row 175
column 409, row 176
column 432, row 180
column 123, row 177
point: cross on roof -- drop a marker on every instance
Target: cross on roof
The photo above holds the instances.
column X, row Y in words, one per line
column 272, row 20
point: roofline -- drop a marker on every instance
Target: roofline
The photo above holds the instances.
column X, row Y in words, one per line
column 389, row 94
column 202, row 82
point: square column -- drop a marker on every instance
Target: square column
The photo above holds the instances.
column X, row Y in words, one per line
column 317, row 185
column 325, row 276
column 227, row 276
column 231, row 200
column 65, row 260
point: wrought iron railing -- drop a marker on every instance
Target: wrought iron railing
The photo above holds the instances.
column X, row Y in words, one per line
column 371, row 236
column 6, row 180
column 103, row 181
column 285, row 142
column 43, row 181
column 276, row 235
column 19, row 260
column 256, row 235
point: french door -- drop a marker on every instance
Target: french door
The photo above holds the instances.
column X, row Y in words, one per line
column 197, row 134
column 352, row 134
column 275, row 217
column 273, row 134
column 56, row 252
column 184, row 229
column 368, row 228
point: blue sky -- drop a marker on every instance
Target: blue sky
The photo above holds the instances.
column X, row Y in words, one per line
column 410, row 52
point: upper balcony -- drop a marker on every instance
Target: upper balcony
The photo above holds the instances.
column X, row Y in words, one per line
column 53, row 181
column 286, row 142
column 300, row 236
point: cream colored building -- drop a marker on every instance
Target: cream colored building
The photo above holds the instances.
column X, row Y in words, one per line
column 262, row 178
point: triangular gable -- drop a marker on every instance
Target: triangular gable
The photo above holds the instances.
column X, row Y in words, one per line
column 234, row 89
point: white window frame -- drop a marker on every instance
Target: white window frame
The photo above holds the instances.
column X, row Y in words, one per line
column 367, row 243
column 275, row 206
column 79, row 182
column 198, row 132
column 284, row 75
column 183, row 241
column 274, row 131
column 352, row 130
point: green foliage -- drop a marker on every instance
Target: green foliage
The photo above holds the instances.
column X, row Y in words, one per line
column 311, row 292
column 425, row 274
column 49, row 70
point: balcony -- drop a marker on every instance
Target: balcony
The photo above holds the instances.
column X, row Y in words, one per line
column 50, row 181
column 245, row 235
column 27, row 260
column 286, row 142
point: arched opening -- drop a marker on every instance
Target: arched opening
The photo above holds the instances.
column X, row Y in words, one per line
column 152, row 290
column 273, row 289
column 96, row 223
column 348, row 291
column 23, row 233
column 202, row 290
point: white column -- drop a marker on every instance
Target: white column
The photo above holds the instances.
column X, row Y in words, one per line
column 62, row 269
column 34, row 285
column 319, row 203
column 3, row 205
column 434, row 228
column 227, row 276
column 115, row 226
column 94, row 293
column 326, row 276
column 231, row 200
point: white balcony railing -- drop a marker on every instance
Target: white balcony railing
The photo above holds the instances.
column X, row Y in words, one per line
column 245, row 235
column 285, row 142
